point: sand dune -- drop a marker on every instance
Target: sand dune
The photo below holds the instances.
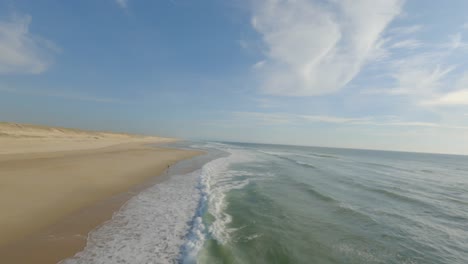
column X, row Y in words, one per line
column 24, row 138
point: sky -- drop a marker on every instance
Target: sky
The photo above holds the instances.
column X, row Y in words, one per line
column 374, row 74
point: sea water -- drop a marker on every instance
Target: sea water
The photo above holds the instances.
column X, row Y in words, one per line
column 287, row 204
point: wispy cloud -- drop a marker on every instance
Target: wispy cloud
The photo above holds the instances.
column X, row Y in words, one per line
column 285, row 118
column 122, row 3
column 419, row 80
column 456, row 41
column 316, row 48
column 336, row 120
column 430, row 78
column 458, row 96
column 406, row 30
column 263, row 118
column 422, row 74
column 450, row 99
column 21, row 51
column 266, row 103
column 407, row 44
column 62, row 94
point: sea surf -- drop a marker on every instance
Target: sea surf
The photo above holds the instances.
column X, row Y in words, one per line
column 254, row 203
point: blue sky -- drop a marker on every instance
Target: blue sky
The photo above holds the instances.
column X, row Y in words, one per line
column 387, row 74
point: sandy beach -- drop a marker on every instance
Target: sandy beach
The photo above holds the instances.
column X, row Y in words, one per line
column 57, row 182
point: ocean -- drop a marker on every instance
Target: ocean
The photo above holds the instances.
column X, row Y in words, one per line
column 255, row 203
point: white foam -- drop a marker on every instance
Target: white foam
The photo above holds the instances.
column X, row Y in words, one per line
column 150, row 228
column 219, row 181
column 163, row 224
column 216, row 180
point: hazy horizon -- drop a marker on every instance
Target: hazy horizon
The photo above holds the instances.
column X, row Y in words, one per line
column 382, row 75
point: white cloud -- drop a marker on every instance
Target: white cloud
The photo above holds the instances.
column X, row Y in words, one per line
column 316, row 48
column 122, row 3
column 284, row 118
column 452, row 98
column 336, row 120
column 423, row 125
column 456, row 41
column 419, row 80
column 408, row 30
column 430, row 78
column 458, row 96
column 243, row 43
column 420, row 75
column 258, row 65
column 266, row 103
column 263, row 118
column 410, row 124
column 20, row 51
column 407, row 44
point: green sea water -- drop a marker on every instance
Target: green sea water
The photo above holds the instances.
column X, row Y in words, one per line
column 286, row 204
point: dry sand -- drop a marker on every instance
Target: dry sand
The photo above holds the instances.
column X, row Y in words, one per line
column 53, row 176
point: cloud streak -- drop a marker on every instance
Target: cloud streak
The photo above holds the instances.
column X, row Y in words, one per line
column 21, row 51
column 122, row 3
column 312, row 47
column 456, row 98
column 284, row 118
column 407, row 44
column 407, row 30
column 62, row 94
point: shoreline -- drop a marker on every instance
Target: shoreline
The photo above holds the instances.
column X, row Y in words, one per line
column 68, row 234
column 59, row 184
column 151, row 208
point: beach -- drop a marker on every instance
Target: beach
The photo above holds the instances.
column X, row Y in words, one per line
column 58, row 184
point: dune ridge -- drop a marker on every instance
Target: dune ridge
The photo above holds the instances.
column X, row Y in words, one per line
column 27, row 138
